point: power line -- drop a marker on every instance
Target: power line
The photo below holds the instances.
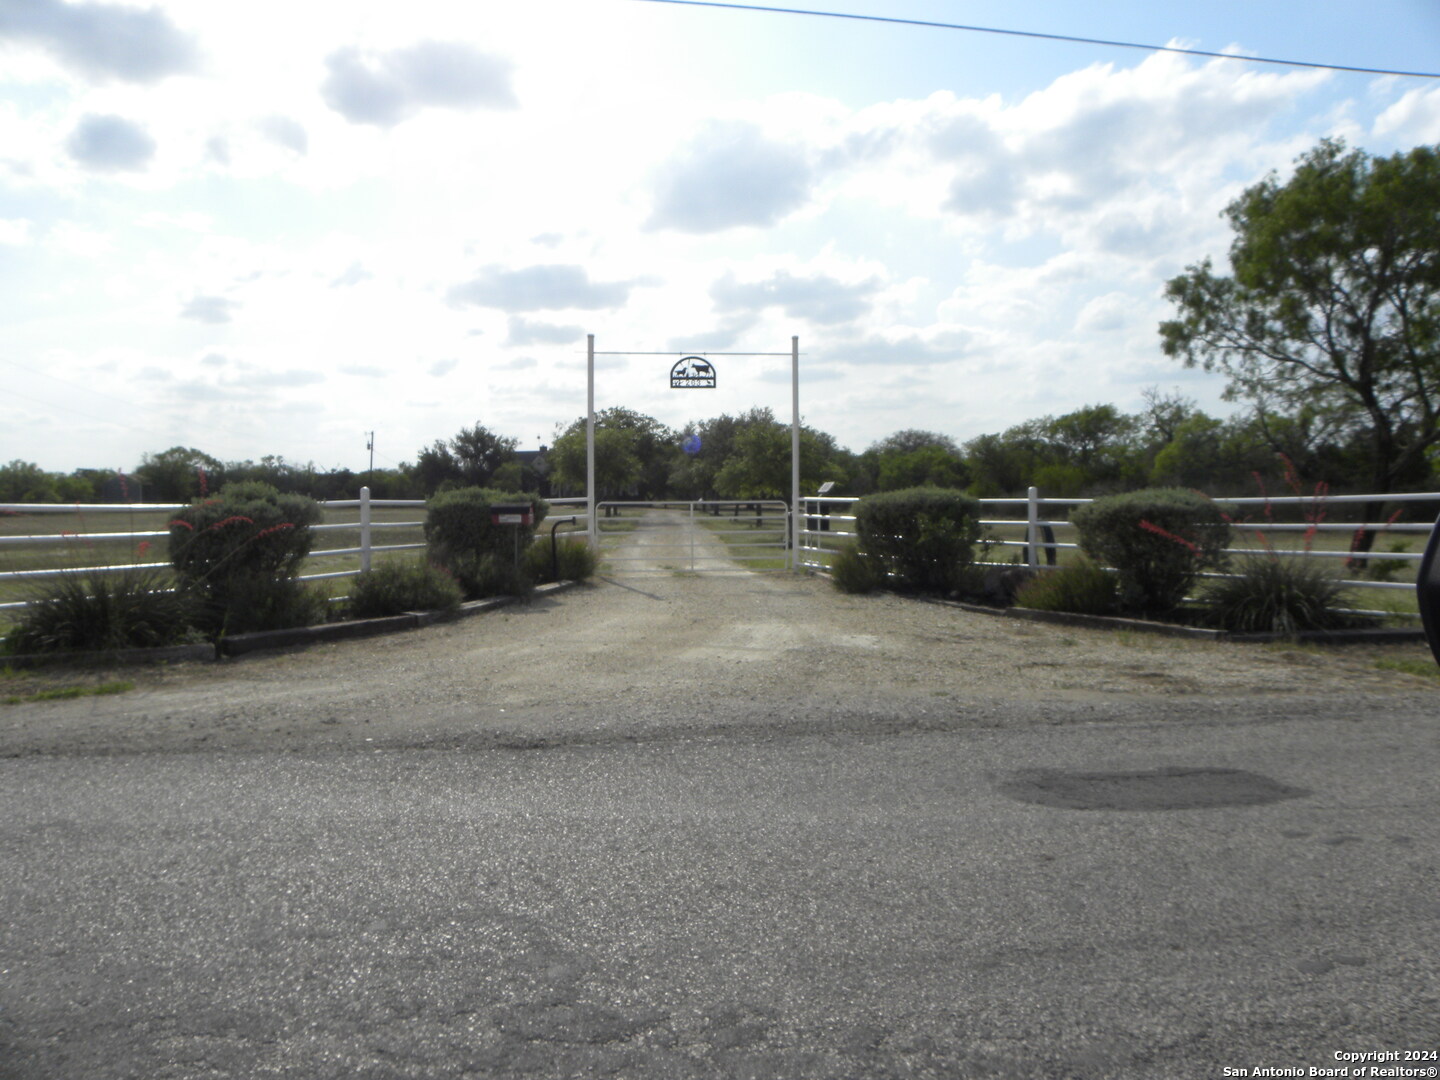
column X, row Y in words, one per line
column 1048, row 37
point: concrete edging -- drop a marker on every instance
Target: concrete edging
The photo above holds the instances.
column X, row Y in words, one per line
column 241, row 644
column 1361, row 636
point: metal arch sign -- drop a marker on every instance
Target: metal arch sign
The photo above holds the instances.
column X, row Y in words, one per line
column 693, row 373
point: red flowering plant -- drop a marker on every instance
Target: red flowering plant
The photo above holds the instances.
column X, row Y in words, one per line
column 239, row 554
column 1280, row 590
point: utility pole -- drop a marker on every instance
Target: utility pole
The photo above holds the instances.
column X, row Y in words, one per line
column 370, row 445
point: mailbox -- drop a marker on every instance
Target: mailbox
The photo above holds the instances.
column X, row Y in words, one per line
column 512, row 514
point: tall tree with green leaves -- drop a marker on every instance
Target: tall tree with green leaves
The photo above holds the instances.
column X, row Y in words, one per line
column 179, row 474
column 1333, row 302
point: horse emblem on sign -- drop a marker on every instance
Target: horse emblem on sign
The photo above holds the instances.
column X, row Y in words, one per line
column 693, row 373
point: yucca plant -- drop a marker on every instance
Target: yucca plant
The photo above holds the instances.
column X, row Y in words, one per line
column 102, row 612
column 1273, row 594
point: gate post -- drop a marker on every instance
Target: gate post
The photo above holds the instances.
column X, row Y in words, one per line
column 365, row 530
column 792, row 556
column 1032, row 527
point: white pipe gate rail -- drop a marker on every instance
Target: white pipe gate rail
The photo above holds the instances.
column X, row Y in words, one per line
column 656, row 552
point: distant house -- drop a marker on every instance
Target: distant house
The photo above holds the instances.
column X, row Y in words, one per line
column 535, row 470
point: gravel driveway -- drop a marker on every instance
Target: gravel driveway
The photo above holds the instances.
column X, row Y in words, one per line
column 662, row 653
column 773, row 832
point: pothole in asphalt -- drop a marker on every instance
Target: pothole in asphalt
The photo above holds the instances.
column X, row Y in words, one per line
column 1174, row 788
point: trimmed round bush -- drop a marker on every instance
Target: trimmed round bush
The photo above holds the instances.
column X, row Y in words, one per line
column 1158, row 539
column 1272, row 594
column 238, row 554
column 1082, row 588
column 398, row 586
column 922, row 539
column 481, row 555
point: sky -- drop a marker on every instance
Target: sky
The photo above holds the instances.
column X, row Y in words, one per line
column 272, row 228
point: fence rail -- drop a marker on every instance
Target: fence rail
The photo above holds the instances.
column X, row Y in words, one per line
column 361, row 511
column 826, row 520
column 1035, row 535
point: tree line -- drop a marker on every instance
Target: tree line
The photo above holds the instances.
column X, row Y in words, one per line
column 1094, row 450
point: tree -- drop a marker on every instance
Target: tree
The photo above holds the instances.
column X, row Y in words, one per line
column 1333, row 303
column 467, row 460
column 179, row 474
column 912, row 458
column 617, row 466
column 26, row 482
column 760, row 467
column 655, row 445
column 925, row 466
column 479, row 452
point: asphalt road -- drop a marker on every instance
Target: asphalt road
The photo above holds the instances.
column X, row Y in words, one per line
column 737, row 902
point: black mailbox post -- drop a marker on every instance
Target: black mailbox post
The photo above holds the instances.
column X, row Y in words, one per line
column 1427, row 589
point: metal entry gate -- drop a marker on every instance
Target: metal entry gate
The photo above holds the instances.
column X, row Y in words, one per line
column 729, row 536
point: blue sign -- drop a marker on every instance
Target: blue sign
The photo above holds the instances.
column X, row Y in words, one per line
column 691, row 445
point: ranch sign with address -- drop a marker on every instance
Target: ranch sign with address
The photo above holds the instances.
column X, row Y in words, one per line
column 693, row 373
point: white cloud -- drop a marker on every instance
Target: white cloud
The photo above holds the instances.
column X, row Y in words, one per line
column 102, row 41
column 14, row 231
column 525, row 332
column 209, row 309
column 818, row 298
column 1415, row 118
column 538, row 288
column 283, row 131
column 731, row 174
column 387, row 87
column 353, row 275
column 110, row 144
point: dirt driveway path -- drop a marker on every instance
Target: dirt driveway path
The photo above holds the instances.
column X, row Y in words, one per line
column 643, row 654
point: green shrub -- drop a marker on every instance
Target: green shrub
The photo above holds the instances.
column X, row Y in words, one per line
column 238, row 553
column 854, row 572
column 395, row 587
column 575, row 560
column 101, row 612
column 1158, row 539
column 1272, row 594
column 921, row 538
column 1082, row 588
column 482, row 556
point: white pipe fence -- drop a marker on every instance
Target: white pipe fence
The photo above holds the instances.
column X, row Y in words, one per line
column 366, row 525
column 821, row 516
column 824, row 513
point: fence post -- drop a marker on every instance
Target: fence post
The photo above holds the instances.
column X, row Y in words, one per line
column 1032, row 527
column 364, row 530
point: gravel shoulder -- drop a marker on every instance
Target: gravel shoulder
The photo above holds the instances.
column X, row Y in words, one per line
column 666, row 653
